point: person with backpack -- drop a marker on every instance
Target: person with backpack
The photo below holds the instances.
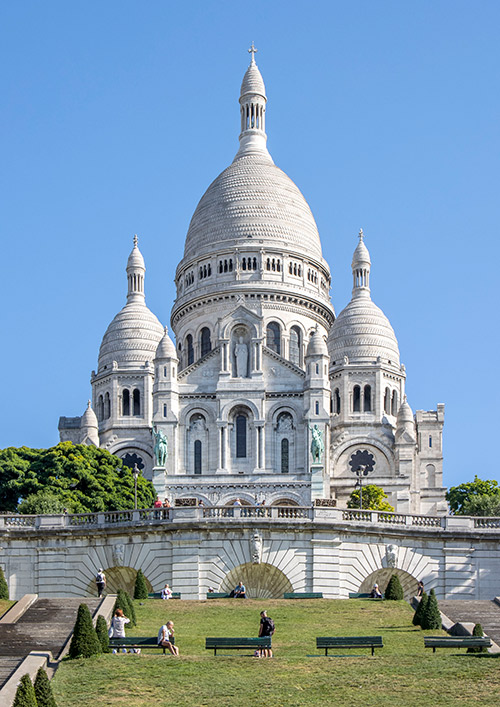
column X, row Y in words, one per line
column 100, row 581
column 266, row 628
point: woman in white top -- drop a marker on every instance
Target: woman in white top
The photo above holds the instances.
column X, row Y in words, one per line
column 118, row 624
column 166, row 592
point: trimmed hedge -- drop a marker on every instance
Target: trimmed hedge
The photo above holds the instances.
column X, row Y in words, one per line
column 141, row 588
column 124, row 602
column 84, row 642
column 101, row 628
column 43, row 690
column 25, row 693
column 419, row 612
column 477, row 631
column 394, row 590
column 431, row 618
column 4, row 587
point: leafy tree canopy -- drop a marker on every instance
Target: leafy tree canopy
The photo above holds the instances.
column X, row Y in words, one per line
column 373, row 499
column 84, row 479
column 464, row 499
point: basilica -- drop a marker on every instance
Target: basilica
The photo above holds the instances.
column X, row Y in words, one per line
column 265, row 396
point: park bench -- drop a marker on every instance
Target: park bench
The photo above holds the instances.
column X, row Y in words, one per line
column 237, row 643
column 363, row 595
column 218, row 595
column 135, row 642
column 157, row 595
column 456, row 642
column 303, row 595
column 326, row 642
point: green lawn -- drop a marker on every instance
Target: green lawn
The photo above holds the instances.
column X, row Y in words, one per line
column 402, row 673
column 5, row 604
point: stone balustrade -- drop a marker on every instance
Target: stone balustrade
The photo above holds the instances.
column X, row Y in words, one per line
column 198, row 514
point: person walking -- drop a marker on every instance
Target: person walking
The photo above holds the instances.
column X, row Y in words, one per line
column 266, row 628
column 166, row 637
column 100, row 581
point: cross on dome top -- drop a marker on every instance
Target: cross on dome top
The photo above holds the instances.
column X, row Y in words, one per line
column 361, row 234
column 253, row 51
column 136, row 240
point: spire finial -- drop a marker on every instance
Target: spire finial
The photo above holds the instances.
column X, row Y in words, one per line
column 136, row 240
column 361, row 234
column 252, row 51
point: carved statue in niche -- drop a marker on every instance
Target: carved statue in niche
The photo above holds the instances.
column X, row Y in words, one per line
column 391, row 555
column 241, row 358
column 160, row 446
column 256, row 548
column 198, row 423
column 285, row 423
column 118, row 555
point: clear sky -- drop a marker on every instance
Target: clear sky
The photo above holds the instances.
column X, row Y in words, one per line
column 116, row 116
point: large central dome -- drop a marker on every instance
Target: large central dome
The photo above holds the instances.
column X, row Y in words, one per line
column 253, row 201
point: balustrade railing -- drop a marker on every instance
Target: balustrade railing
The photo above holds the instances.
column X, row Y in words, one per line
column 83, row 519
column 486, row 522
column 19, row 521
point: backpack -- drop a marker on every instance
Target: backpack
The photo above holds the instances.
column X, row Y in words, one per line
column 269, row 623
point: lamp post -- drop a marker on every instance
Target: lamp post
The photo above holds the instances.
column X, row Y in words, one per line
column 360, row 472
column 135, row 471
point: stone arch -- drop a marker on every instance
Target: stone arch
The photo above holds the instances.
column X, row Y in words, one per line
column 119, row 578
column 262, row 581
column 382, row 577
column 283, row 501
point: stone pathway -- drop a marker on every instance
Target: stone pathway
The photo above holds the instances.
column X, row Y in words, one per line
column 46, row 626
column 484, row 612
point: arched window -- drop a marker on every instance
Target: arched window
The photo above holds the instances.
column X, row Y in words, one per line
column 273, row 340
column 387, row 401
column 367, row 403
column 356, row 399
column 295, row 345
column 126, row 402
column 137, row 401
column 107, row 406
column 164, row 371
column 285, row 456
column 189, row 349
column 336, row 404
column 241, row 436
column 394, row 403
column 100, row 408
column 197, row 457
column 205, row 342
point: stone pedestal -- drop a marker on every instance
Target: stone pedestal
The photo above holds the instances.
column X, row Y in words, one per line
column 159, row 481
column 317, row 485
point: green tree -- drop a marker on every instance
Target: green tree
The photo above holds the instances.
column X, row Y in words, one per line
column 40, row 503
column 417, row 616
column 101, row 628
column 477, row 631
column 431, row 618
column 124, row 602
column 85, row 479
column 483, row 505
column 394, row 589
column 141, row 588
column 373, row 499
column 4, row 587
column 25, row 693
column 460, row 496
column 43, row 690
column 84, row 642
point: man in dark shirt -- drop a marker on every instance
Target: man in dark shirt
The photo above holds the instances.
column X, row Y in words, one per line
column 266, row 629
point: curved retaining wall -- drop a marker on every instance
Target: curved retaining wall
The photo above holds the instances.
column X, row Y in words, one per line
column 325, row 550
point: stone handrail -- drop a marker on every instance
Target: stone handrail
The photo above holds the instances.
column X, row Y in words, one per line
column 324, row 514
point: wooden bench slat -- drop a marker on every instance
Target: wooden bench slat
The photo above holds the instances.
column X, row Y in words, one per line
column 303, row 595
column 327, row 642
column 456, row 642
column 213, row 643
column 218, row 595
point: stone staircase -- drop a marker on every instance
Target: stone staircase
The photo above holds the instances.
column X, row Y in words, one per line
column 484, row 612
column 46, row 626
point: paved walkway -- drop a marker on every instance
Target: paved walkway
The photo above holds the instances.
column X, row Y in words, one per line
column 484, row 612
column 46, row 626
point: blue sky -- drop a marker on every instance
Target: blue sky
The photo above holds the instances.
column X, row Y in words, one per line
column 116, row 116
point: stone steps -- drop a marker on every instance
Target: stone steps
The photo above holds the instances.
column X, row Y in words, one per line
column 484, row 612
column 46, row 626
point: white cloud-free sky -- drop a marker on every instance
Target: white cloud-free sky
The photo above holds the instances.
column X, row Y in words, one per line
column 116, row 116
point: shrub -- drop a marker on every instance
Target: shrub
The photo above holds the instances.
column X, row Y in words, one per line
column 43, row 690
column 124, row 602
column 431, row 618
column 101, row 628
column 417, row 616
column 4, row 587
column 477, row 631
column 84, row 642
column 141, row 588
column 394, row 589
column 25, row 693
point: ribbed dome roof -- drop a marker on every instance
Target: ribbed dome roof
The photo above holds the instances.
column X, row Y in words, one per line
column 253, row 81
column 317, row 345
column 252, row 201
column 166, row 348
column 89, row 418
column 131, row 338
column 362, row 332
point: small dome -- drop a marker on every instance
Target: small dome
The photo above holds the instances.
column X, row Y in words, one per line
column 132, row 337
column 317, row 345
column 135, row 259
column 362, row 332
column 253, row 81
column 404, row 421
column 89, row 418
column 166, row 348
column 361, row 255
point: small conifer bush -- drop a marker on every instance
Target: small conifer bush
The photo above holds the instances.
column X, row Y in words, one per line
column 417, row 616
column 394, row 589
column 140, row 589
column 25, row 694
column 124, row 602
column 84, row 642
column 477, row 631
column 4, row 587
column 431, row 618
column 43, row 690
column 101, row 628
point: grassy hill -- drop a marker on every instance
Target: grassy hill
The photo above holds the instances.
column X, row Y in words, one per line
column 402, row 673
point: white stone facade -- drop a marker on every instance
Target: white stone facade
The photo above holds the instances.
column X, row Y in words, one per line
column 260, row 362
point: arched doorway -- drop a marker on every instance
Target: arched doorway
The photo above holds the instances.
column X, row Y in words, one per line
column 382, row 577
column 119, row 578
column 261, row 581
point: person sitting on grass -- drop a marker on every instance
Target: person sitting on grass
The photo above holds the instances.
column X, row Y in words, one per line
column 239, row 592
column 166, row 592
column 166, row 637
column 266, row 628
column 375, row 593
